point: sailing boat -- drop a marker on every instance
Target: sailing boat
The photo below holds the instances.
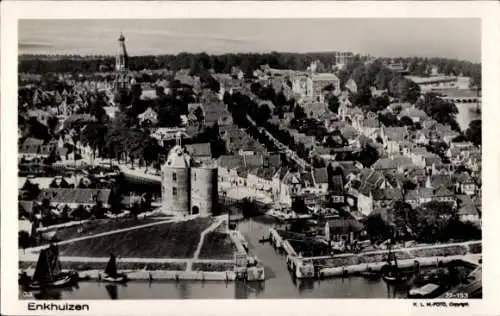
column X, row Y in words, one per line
column 391, row 273
column 48, row 272
column 111, row 274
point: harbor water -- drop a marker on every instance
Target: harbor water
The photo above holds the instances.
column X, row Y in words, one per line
column 278, row 284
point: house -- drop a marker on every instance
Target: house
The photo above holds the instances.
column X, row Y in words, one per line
column 349, row 113
column 392, row 137
column 418, row 155
column 442, row 194
column 320, row 178
column 343, row 230
column 336, row 192
column 261, row 178
column 467, row 210
column 30, row 148
column 351, row 86
column 395, row 164
column 318, row 82
column 273, row 160
column 216, row 112
column 465, row 184
column 41, row 116
column 148, row 117
column 366, row 126
column 419, row 196
column 199, row 151
column 233, row 169
column 75, row 197
column 383, row 197
column 364, row 202
column 284, row 185
column 349, row 133
column 416, row 115
column 315, row 109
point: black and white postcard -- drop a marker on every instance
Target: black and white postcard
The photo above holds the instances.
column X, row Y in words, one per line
column 320, row 153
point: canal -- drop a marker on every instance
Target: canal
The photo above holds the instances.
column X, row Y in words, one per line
column 278, row 283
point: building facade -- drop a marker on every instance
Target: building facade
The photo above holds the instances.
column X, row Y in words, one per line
column 188, row 187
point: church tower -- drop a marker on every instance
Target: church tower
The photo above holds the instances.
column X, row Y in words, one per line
column 121, row 55
column 122, row 77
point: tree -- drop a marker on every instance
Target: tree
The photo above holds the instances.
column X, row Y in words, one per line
column 368, row 156
column 378, row 104
column 98, row 210
column 198, row 112
column 24, row 240
column 53, row 157
column 439, row 109
column 299, row 206
column 409, row 185
column 362, row 97
column 407, row 121
column 32, row 190
column 404, row 89
column 376, row 228
column 264, row 113
column 473, row 133
column 52, row 124
column 135, row 210
column 388, row 119
column 298, row 113
column 333, row 103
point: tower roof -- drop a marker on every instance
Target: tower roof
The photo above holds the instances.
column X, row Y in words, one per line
column 121, row 38
column 178, row 158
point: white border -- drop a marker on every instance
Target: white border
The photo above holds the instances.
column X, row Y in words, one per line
column 487, row 11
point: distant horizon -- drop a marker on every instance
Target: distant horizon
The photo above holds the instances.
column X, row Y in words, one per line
column 457, row 38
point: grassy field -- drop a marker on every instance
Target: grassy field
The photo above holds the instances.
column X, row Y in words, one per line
column 100, row 226
column 201, row 266
column 443, row 251
column 475, row 248
column 217, row 246
column 168, row 240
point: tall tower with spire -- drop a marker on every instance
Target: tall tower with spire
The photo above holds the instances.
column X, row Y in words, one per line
column 121, row 55
column 122, row 78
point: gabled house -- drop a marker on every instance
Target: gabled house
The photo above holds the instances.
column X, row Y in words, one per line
column 320, row 178
column 148, row 117
column 74, row 198
column 467, row 210
column 261, row 178
column 465, row 184
column 199, row 151
column 442, row 194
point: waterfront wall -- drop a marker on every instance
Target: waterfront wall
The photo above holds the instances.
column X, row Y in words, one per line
column 426, row 255
column 164, row 275
column 377, row 266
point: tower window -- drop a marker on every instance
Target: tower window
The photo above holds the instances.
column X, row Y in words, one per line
column 174, row 191
column 174, row 176
column 194, row 176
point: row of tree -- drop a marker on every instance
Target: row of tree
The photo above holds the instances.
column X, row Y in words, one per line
column 247, row 62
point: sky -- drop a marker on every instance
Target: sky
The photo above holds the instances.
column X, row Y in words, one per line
column 387, row 37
